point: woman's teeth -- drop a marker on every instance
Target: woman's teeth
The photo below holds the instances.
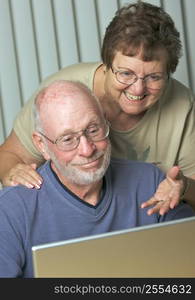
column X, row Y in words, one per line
column 132, row 97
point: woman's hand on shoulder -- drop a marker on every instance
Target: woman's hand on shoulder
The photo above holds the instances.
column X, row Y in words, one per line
column 24, row 174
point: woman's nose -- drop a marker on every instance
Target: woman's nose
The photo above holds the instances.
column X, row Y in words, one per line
column 138, row 87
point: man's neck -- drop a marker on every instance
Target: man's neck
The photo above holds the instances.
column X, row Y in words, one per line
column 89, row 193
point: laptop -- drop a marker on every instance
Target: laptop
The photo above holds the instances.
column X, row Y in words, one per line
column 159, row 250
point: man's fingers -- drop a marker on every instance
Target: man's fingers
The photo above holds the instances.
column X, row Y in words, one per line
column 164, row 208
column 150, row 202
column 161, row 207
column 156, row 199
column 174, row 202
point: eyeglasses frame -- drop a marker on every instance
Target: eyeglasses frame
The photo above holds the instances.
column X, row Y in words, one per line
column 114, row 71
column 77, row 137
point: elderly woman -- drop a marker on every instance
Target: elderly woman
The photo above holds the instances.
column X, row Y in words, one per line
column 151, row 115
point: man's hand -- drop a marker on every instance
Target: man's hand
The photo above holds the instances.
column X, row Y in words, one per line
column 168, row 193
column 23, row 174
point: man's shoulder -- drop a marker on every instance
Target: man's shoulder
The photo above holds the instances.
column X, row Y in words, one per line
column 133, row 165
column 13, row 195
column 12, row 199
column 136, row 176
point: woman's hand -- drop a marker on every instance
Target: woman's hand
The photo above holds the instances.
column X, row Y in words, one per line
column 23, row 174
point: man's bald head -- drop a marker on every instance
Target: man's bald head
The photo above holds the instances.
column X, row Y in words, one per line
column 59, row 93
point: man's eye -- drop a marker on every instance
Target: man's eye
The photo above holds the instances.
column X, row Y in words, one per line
column 66, row 139
column 154, row 77
column 93, row 130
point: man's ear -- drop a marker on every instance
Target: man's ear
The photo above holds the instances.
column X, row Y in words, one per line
column 40, row 145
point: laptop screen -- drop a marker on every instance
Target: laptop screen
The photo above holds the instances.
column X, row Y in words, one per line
column 160, row 250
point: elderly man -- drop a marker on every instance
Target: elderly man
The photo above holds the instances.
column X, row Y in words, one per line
column 83, row 192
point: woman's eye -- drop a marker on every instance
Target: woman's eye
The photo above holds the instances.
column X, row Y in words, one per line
column 126, row 74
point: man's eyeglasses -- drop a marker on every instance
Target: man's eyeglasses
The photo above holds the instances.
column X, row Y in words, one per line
column 68, row 142
column 153, row 80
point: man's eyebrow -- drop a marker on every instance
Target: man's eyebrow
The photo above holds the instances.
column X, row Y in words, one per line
column 70, row 131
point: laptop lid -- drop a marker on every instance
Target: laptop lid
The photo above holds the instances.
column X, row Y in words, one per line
column 160, row 250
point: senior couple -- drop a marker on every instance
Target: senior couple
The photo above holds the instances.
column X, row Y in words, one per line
column 78, row 191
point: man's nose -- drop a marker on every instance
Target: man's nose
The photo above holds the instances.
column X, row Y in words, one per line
column 86, row 146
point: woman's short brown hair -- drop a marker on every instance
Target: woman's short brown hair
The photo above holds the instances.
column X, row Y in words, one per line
column 142, row 26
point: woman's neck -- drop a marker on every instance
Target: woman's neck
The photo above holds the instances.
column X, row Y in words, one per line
column 123, row 121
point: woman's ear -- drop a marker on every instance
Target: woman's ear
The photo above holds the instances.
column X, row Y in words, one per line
column 40, row 145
